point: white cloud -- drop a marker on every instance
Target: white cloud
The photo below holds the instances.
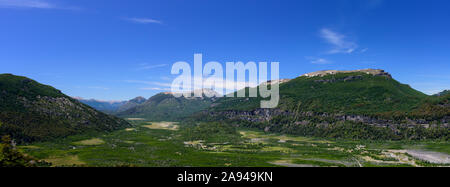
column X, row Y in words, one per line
column 156, row 89
column 339, row 42
column 150, row 83
column 320, row 61
column 227, row 86
column 143, row 20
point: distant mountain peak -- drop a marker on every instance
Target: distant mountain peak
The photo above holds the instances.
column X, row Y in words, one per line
column 279, row 81
column 97, row 100
column 375, row 72
column 205, row 91
column 138, row 100
column 445, row 92
column 166, row 106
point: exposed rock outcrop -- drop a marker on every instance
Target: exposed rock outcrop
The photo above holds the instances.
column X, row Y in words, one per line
column 304, row 118
column 375, row 72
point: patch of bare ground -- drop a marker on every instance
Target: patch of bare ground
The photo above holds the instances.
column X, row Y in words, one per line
column 162, row 125
column 288, row 163
column 429, row 156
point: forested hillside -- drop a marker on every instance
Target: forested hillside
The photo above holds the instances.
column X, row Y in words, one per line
column 30, row 111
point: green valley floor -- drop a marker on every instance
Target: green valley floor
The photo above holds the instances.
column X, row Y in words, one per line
column 161, row 144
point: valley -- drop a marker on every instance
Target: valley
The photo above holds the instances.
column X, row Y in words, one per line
column 241, row 84
column 160, row 144
column 326, row 119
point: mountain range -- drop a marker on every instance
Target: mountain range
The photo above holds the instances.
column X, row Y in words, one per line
column 167, row 107
column 112, row 107
column 160, row 107
column 104, row 106
column 358, row 104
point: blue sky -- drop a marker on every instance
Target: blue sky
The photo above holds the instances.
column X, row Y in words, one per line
column 117, row 50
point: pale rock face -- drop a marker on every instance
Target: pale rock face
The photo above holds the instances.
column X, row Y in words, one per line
column 139, row 100
column 279, row 81
column 375, row 72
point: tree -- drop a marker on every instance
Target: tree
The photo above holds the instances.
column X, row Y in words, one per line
column 11, row 157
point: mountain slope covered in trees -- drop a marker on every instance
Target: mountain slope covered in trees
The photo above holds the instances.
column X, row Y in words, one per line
column 166, row 107
column 30, row 111
column 366, row 104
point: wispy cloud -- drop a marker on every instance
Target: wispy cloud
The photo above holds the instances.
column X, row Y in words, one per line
column 166, row 78
column 156, row 89
column 320, row 61
column 208, row 82
column 143, row 20
column 27, row 4
column 37, row 4
column 338, row 41
column 146, row 66
column 149, row 83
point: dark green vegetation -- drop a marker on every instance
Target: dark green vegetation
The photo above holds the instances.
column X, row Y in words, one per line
column 131, row 104
column 139, row 146
column 30, row 111
column 344, row 119
column 445, row 92
column 366, row 104
column 10, row 156
column 431, row 108
column 197, row 145
column 166, row 107
column 211, row 132
column 353, row 105
column 350, row 93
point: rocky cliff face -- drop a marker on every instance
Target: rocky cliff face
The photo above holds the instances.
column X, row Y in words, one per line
column 306, row 118
column 375, row 72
